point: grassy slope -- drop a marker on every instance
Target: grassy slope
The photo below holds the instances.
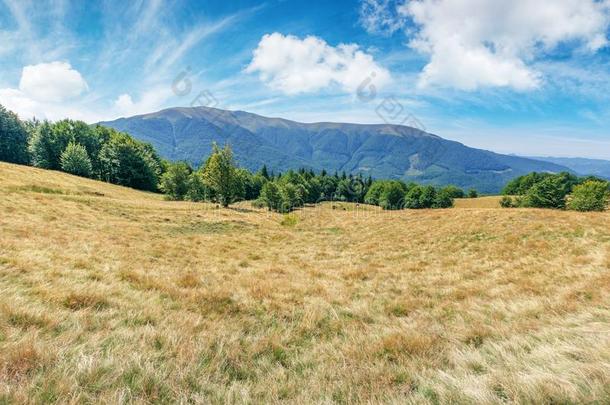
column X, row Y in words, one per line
column 111, row 294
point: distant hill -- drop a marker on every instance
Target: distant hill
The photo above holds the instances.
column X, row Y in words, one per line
column 594, row 167
column 383, row 151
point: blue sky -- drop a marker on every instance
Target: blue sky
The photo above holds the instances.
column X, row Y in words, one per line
column 513, row 76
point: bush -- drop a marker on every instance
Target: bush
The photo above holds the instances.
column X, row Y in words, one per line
column 175, row 181
column 75, row 160
column 472, row 193
column 507, row 202
column 590, row 196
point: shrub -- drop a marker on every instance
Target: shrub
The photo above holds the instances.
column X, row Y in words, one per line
column 590, row 196
column 75, row 160
column 507, row 202
column 472, row 193
column 412, row 198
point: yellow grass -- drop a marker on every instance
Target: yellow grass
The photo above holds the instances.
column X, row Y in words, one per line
column 113, row 295
column 480, row 202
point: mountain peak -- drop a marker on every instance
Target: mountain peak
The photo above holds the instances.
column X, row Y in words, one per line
column 379, row 150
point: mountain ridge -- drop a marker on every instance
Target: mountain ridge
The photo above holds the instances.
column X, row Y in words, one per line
column 379, row 150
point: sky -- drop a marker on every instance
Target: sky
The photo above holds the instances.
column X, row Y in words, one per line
column 512, row 76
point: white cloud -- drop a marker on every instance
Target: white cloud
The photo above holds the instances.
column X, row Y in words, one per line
column 47, row 91
column 149, row 101
column 381, row 16
column 482, row 43
column 55, row 81
column 294, row 65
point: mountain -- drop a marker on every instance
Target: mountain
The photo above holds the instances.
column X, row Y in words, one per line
column 593, row 167
column 383, row 151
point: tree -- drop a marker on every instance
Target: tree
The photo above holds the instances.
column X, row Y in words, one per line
column 13, row 138
column 291, row 197
column 453, row 191
column 550, row 192
column 175, row 181
column 427, row 197
column 128, row 162
column 220, row 174
column 197, row 190
column 392, row 197
column 75, row 160
column 46, row 147
column 444, row 198
column 590, row 196
column 270, row 195
column 374, row 192
column 472, row 193
column 413, row 197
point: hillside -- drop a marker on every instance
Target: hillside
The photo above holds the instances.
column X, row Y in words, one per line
column 110, row 294
column 383, row 151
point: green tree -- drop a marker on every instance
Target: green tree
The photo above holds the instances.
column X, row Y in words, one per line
column 453, row 191
column 392, row 197
column 291, row 197
column 472, row 193
column 197, row 190
column 374, row 192
column 413, row 197
column 427, row 197
column 175, row 181
column 220, row 175
column 444, row 198
column 13, row 138
column 589, row 196
column 130, row 163
column 75, row 160
column 270, row 196
column 46, row 147
column 551, row 192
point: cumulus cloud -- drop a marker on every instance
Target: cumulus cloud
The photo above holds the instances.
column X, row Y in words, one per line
column 481, row 43
column 293, row 65
column 55, row 81
column 45, row 91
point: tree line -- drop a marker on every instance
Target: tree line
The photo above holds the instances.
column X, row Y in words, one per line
column 221, row 180
column 559, row 191
column 77, row 148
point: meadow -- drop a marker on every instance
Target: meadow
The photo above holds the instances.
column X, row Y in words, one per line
column 114, row 295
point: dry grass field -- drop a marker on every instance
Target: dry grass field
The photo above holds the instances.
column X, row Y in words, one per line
column 112, row 295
